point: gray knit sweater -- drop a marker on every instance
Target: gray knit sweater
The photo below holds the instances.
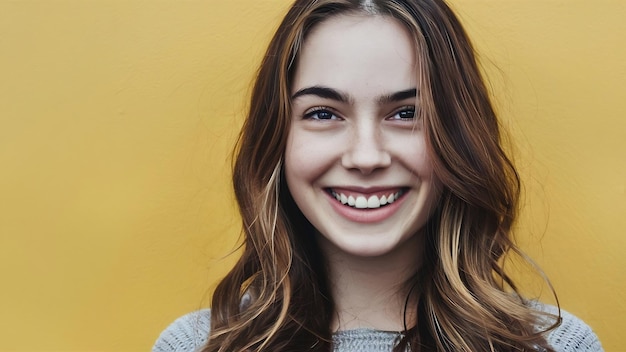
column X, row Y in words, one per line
column 190, row 332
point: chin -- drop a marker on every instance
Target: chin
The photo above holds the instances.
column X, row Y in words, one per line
column 364, row 247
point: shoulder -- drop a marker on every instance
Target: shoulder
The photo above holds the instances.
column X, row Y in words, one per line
column 190, row 332
column 573, row 335
column 186, row 334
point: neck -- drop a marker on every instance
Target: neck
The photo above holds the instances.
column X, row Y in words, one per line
column 371, row 292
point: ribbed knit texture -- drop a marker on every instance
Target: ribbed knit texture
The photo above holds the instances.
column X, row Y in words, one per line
column 190, row 332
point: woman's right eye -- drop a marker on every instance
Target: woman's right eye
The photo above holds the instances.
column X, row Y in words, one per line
column 320, row 114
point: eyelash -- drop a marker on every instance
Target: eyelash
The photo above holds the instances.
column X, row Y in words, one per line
column 404, row 109
column 313, row 113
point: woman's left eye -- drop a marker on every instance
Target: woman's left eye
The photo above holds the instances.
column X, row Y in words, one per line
column 405, row 113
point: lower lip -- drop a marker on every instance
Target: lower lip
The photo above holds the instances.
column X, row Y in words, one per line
column 366, row 215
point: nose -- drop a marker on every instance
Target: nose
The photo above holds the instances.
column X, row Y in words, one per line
column 367, row 151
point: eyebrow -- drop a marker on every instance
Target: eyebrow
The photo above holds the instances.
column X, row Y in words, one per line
column 322, row 92
column 398, row 96
column 333, row 94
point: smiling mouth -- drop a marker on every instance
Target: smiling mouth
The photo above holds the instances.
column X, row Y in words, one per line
column 361, row 201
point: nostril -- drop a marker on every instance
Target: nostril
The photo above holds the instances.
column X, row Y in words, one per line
column 366, row 159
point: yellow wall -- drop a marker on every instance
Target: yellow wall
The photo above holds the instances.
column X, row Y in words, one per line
column 117, row 117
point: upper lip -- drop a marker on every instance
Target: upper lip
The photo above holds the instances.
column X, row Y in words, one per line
column 367, row 189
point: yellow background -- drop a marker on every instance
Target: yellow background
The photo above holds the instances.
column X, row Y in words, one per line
column 116, row 122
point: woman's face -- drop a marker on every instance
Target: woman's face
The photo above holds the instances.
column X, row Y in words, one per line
column 356, row 162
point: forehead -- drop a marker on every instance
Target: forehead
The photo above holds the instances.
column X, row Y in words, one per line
column 357, row 51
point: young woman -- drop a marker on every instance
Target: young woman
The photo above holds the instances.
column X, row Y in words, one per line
column 376, row 200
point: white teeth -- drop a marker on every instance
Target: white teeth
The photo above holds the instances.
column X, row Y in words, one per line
column 361, row 202
column 372, row 202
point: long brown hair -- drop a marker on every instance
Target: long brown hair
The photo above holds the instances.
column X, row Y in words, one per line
column 277, row 296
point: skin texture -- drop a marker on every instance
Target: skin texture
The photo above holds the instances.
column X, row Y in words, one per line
column 361, row 135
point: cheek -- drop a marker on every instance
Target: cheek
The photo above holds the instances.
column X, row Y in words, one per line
column 423, row 165
column 295, row 167
column 412, row 152
column 308, row 156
